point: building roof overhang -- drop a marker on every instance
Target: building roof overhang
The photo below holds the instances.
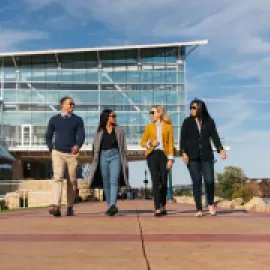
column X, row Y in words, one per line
column 194, row 44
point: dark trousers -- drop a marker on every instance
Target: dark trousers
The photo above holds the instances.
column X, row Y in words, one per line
column 198, row 169
column 157, row 164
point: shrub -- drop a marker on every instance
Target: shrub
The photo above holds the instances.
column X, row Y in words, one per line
column 229, row 181
column 245, row 192
column 185, row 192
column 3, row 205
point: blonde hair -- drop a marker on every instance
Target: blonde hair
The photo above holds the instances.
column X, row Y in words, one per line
column 163, row 114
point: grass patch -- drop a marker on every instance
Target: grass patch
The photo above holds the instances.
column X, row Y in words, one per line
column 21, row 209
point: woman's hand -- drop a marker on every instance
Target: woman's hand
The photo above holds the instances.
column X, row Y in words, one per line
column 185, row 158
column 223, row 154
column 169, row 164
column 155, row 143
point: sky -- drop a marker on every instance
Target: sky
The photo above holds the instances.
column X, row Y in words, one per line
column 230, row 73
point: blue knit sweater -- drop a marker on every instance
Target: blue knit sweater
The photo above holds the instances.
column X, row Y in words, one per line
column 67, row 131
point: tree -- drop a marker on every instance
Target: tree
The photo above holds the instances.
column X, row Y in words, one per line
column 247, row 192
column 230, row 181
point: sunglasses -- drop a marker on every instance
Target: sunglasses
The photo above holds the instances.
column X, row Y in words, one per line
column 71, row 104
column 113, row 116
column 193, row 107
column 151, row 112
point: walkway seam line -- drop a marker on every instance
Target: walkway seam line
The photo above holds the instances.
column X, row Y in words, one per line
column 143, row 242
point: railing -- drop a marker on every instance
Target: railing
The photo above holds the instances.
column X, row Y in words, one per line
column 11, row 142
column 39, row 143
column 9, row 186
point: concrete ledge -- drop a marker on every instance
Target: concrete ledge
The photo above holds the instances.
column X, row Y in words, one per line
column 39, row 198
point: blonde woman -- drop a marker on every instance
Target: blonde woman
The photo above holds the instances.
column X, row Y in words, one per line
column 159, row 143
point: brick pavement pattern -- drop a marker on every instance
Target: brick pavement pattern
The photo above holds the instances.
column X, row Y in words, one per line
column 134, row 239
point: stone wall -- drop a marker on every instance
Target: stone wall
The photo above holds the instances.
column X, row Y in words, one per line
column 255, row 204
column 39, row 199
column 12, row 200
column 38, row 193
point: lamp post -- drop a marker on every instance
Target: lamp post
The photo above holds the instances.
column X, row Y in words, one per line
column 145, row 181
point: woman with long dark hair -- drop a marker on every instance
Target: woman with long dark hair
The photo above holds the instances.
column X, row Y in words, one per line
column 159, row 143
column 109, row 168
column 196, row 134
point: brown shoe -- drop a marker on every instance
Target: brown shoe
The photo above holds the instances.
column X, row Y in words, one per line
column 55, row 211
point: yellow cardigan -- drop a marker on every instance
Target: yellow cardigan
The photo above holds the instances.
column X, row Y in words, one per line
column 150, row 134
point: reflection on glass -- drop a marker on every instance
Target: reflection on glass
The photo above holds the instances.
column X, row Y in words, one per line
column 126, row 82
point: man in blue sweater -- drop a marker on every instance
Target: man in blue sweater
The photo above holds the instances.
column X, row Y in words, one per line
column 69, row 135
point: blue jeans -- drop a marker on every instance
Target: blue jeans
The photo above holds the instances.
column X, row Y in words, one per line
column 198, row 169
column 110, row 166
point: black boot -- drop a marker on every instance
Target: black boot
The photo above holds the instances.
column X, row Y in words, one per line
column 112, row 210
column 70, row 212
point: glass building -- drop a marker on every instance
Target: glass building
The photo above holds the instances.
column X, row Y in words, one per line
column 5, row 156
column 6, row 160
column 127, row 79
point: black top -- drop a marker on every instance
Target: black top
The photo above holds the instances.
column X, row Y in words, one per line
column 109, row 140
column 68, row 131
column 197, row 144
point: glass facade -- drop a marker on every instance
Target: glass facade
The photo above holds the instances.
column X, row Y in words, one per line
column 127, row 81
column 5, row 156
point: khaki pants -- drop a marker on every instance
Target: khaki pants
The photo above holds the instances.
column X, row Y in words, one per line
column 59, row 162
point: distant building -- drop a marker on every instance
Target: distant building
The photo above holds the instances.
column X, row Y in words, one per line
column 263, row 184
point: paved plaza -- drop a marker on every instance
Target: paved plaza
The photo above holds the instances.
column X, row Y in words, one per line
column 135, row 239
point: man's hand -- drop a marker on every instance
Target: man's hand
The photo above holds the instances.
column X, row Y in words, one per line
column 169, row 164
column 154, row 143
column 75, row 149
column 185, row 158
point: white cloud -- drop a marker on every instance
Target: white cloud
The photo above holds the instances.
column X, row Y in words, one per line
column 228, row 100
column 261, row 137
column 36, row 4
column 12, row 38
column 59, row 22
column 236, row 29
column 231, row 115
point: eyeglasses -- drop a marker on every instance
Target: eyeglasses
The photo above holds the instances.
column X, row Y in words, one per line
column 193, row 107
column 113, row 116
column 71, row 104
column 151, row 112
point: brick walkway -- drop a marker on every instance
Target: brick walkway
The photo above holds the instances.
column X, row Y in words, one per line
column 134, row 239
